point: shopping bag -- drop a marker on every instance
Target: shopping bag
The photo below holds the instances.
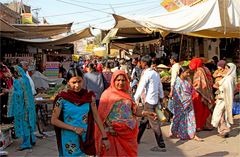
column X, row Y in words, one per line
column 160, row 114
column 236, row 108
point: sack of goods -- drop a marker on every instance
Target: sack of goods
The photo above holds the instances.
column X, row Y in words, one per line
column 5, row 136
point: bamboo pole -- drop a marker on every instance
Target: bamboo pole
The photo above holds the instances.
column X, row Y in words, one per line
column 180, row 51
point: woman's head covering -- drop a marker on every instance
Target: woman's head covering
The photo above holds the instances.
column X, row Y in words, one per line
column 115, row 75
column 231, row 73
column 221, row 63
column 232, row 70
column 195, row 63
column 111, row 95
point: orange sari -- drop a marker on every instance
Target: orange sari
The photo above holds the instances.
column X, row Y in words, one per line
column 124, row 143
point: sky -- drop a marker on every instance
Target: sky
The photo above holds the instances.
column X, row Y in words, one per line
column 95, row 13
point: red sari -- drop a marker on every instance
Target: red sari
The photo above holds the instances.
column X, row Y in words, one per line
column 124, row 143
column 203, row 100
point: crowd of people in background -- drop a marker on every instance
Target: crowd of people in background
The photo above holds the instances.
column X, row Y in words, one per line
column 112, row 94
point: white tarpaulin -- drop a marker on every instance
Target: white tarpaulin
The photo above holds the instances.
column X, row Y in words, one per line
column 222, row 17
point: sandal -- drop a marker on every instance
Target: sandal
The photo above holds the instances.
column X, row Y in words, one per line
column 198, row 139
column 158, row 149
column 226, row 135
column 21, row 149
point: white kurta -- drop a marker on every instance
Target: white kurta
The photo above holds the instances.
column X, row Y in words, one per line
column 224, row 104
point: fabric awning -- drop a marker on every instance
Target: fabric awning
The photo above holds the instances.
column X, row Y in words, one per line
column 135, row 27
column 131, row 45
column 8, row 28
column 221, row 18
column 31, row 31
column 52, row 42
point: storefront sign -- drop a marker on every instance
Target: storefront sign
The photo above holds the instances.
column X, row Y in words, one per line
column 27, row 18
column 171, row 5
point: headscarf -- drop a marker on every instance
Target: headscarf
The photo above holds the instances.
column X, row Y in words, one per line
column 78, row 98
column 111, row 95
column 202, row 81
column 221, row 63
column 195, row 63
column 231, row 73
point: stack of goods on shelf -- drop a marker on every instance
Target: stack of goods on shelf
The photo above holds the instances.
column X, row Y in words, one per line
column 52, row 69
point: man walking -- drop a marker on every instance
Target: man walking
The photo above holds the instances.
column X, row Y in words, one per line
column 151, row 83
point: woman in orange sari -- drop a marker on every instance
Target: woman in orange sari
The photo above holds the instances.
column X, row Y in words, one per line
column 203, row 99
column 118, row 113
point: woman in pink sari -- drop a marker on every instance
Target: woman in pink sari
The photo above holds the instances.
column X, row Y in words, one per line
column 203, row 99
column 118, row 113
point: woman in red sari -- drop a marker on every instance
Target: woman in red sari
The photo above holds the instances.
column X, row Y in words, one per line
column 118, row 113
column 203, row 99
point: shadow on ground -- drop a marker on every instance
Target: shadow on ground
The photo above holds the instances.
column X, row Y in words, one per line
column 222, row 153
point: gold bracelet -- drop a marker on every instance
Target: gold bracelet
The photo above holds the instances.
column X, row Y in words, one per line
column 75, row 129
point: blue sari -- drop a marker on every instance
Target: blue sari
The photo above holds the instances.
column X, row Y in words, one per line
column 74, row 115
column 22, row 108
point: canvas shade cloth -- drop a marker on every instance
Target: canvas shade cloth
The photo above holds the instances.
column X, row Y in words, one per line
column 8, row 28
column 127, row 32
column 131, row 45
column 31, row 31
column 211, row 19
column 63, row 40
column 102, row 52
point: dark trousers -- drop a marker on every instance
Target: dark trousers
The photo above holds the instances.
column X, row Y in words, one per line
column 155, row 125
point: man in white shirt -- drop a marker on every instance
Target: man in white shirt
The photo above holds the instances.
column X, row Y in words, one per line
column 174, row 72
column 151, row 83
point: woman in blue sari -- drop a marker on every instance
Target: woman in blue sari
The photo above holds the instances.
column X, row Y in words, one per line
column 22, row 108
column 184, row 124
column 73, row 117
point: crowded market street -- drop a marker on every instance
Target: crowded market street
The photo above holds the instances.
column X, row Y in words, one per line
column 212, row 146
column 148, row 78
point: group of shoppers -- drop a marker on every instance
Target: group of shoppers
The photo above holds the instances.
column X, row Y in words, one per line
column 194, row 106
column 88, row 108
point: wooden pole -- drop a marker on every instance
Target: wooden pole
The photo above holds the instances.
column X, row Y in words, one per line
column 180, row 51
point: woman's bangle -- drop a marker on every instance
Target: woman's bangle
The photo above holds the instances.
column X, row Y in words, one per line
column 105, row 138
column 75, row 129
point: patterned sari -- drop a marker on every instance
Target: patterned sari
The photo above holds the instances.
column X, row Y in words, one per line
column 203, row 99
column 184, row 125
column 116, row 110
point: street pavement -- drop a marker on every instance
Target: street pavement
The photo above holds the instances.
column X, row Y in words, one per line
column 212, row 145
